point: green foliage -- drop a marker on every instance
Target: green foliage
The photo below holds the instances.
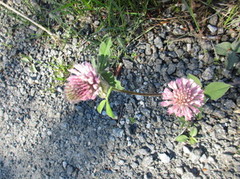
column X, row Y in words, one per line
column 231, row 51
column 105, row 47
column 195, row 79
column 192, row 15
column 199, row 115
column 101, row 106
column 105, row 104
column 223, row 48
column 231, row 14
column 233, row 58
column 183, row 122
column 235, row 46
column 109, row 110
column 60, row 69
column 216, row 90
column 192, row 140
column 112, row 81
column 103, row 56
column 132, row 120
column 181, row 138
column 193, row 131
column 115, row 17
column 28, row 60
column 103, row 62
column 189, row 137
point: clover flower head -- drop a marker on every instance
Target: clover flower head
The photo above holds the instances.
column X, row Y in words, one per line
column 183, row 97
column 83, row 84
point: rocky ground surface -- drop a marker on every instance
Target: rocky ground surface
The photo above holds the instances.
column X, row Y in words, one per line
column 43, row 136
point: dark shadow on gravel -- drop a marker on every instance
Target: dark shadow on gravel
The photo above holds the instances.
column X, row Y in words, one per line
column 77, row 146
column 5, row 171
column 73, row 144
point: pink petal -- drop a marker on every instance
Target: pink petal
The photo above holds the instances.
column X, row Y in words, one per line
column 167, row 94
column 173, row 109
column 173, row 85
column 166, row 103
column 195, row 110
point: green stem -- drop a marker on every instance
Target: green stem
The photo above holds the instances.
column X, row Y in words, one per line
column 135, row 93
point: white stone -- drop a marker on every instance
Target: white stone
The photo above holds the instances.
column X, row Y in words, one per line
column 186, row 150
column 212, row 28
column 179, row 170
column 164, row 158
column 147, row 161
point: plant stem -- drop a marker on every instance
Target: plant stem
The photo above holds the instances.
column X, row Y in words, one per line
column 136, row 93
column 30, row 20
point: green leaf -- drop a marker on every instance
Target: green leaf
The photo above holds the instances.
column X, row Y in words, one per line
column 93, row 62
column 192, row 140
column 181, row 138
column 132, row 120
column 118, row 85
column 101, row 106
column 25, row 59
column 109, row 110
column 182, row 121
column 112, row 81
column 108, row 76
column 223, row 48
column 102, row 63
column 105, row 47
column 60, row 78
column 33, row 68
column 232, row 58
column 199, row 115
column 236, row 46
column 109, row 92
column 121, row 43
column 193, row 132
column 195, row 79
column 216, row 90
column 58, row 73
column 190, row 10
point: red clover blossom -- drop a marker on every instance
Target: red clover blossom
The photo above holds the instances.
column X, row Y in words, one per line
column 183, row 98
column 83, row 84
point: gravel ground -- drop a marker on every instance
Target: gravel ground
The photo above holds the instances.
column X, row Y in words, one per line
column 43, row 136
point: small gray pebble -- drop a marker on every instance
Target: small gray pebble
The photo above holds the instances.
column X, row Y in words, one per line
column 142, row 151
column 69, row 169
column 128, row 64
column 229, row 104
column 158, row 42
column 117, row 132
column 213, row 20
column 212, row 28
column 148, row 50
column 208, row 74
column 219, row 113
column 171, row 69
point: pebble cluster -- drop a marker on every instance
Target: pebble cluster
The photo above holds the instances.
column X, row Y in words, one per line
column 43, row 136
